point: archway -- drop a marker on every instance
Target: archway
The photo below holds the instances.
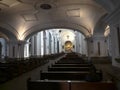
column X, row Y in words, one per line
column 52, row 41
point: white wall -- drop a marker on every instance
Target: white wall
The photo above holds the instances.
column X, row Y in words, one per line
column 103, row 46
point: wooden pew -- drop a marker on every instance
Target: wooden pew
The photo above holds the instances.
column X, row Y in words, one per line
column 71, row 65
column 63, row 75
column 47, row 85
column 70, row 62
column 71, row 75
column 7, row 72
column 68, row 85
column 68, row 68
column 13, row 67
column 93, row 86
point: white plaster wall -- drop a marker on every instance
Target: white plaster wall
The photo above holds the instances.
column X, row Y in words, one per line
column 103, row 47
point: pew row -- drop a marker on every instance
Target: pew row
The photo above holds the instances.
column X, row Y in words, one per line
column 63, row 75
column 69, row 62
column 13, row 67
column 68, row 85
column 68, row 68
column 47, row 85
column 68, row 75
column 93, row 86
column 71, row 65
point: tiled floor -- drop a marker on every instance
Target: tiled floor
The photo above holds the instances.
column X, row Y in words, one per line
column 19, row 83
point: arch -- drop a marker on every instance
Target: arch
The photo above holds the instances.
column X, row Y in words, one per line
column 66, row 25
column 107, row 4
column 8, row 31
column 100, row 25
column 4, row 36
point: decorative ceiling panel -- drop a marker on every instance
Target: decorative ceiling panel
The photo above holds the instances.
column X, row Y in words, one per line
column 27, row 1
column 29, row 17
column 9, row 3
column 73, row 12
column 85, row 13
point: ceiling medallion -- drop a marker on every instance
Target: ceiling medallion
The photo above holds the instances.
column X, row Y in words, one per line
column 45, row 6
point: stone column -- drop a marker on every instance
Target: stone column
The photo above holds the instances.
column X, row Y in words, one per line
column 35, row 45
column 32, row 46
column 12, row 46
column 56, row 47
column 26, row 49
column 44, row 40
column 109, row 45
column 89, row 42
column 20, row 49
column 38, row 44
column 77, row 41
column 47, row 43
column 42, row 43
column 114, row 45
column 16, row 49
column 53, row 45
column 60, row 46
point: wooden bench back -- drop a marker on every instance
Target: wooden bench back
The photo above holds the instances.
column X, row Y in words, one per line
column 68, row 69
column 93, row 86
column 47, row 85
column 69, row 85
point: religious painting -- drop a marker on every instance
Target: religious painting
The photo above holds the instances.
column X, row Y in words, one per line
column 68, row 46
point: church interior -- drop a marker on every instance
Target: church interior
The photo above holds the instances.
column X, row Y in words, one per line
column 59, row 44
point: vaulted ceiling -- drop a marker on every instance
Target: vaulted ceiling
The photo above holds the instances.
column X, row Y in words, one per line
column 20, row 18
